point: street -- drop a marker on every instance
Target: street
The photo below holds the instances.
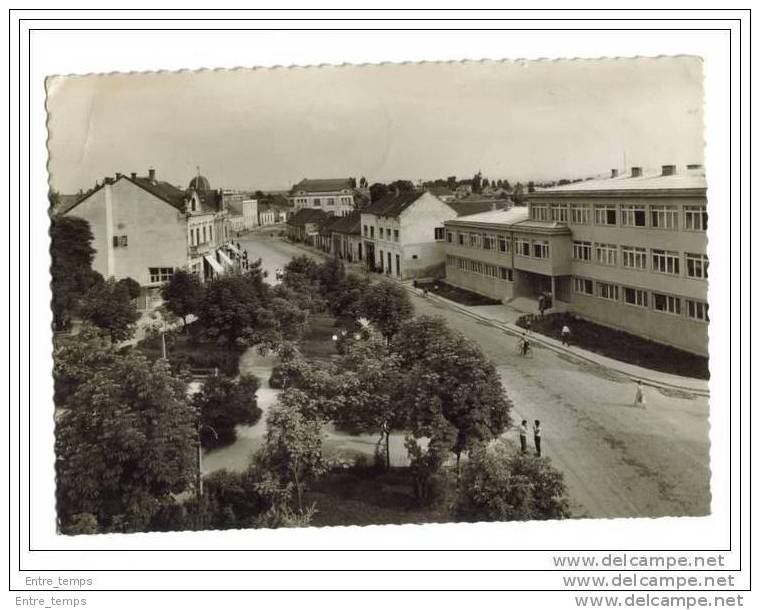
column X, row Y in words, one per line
column 618, row 460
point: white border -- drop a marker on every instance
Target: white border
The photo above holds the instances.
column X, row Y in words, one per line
column 57, row 53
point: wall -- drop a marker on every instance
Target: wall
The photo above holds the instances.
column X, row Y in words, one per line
column 156, row 232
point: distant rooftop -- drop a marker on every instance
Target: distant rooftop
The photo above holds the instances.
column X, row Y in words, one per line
column 322, row 185
column 508, row 217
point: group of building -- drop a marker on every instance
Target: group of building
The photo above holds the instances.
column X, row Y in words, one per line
column 628, row 251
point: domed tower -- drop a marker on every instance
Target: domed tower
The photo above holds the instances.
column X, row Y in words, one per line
column 199, row 183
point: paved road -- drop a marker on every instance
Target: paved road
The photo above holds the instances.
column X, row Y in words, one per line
column 618, row 460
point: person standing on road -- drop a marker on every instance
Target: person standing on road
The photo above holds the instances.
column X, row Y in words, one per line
column 537, row 436
column 565, row 335
column 524, row 345
column 639, row 400
column 524, row 436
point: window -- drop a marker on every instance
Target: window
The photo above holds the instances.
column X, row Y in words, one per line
column 582, row 250
column 665, row 217
column 204, row 234
column 372, row 232
column 381, row 232
column 475, row 240
column 696, row 265
column 695, row 218
column 697, row 310
column 540, row 212
column 439, row 233
column 559, row 213
column 581, row 214
column 606, row 254
column 523, row 247
column 666, row 303
column 634, row 296
column 449, row 236
column 505, row 273
column 317, row 203
column 503, row 243
column 160, row 274
column 633, row 216
column 607, row 291
column 119, row 241
column 665, row 261
column 331, row 201
column 605, row 214
column 489, row 242
column 461, row 239
column 583, row 286
column 634, row 258
column 395, row 234
column 365, row 230
column 541, row 249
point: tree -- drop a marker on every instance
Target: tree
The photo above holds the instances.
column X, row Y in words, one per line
column 124, row 445
column 486, row 183
column 363, row 183
column 451, row 182
column 108, row 306
column 131, row 286
column 183, row 294
column 501, row 484
column 403, row 186
column 386, row 305
column 235, row 309
column 222, row 404
column 330, row 275
column 477, row 183
column 346, row 302
column 377, row 191
column 531, row 187
column 71, row 255
column 75, row 361
column 292, row 452
column 446, row 377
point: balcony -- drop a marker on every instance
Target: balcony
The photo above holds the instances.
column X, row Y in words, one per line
column 201, row 249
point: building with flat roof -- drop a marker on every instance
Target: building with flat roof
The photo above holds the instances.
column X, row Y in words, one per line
column 628, row 251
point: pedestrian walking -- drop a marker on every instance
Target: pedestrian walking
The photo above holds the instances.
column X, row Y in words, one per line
column 524, row 345
column 524, row 436
column 639, row 400
column 537, row 436
column 565, row 335
column 541, row 305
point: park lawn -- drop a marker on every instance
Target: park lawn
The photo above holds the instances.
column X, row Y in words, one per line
column 190, row 350
column 619, row 345
column 348, row 498
column 456, row 294
column 317, row 343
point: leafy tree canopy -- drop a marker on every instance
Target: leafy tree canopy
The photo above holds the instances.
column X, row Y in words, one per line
column 109, row 307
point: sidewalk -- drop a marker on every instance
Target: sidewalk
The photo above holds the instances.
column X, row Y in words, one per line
column 503, row 317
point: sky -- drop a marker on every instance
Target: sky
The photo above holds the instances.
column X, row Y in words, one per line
column 268, row 128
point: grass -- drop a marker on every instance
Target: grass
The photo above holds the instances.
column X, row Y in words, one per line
column 620, row 345
column 456, row 294
column 192, row 351
column 357, row 498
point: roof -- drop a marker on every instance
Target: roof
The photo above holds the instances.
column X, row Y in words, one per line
column 327, row 225
column 306, row 216
column 466, row 207
column 441, row 191
column 211, row 201
column 199, row 183
column 651, row 180
column 350, row 223
column 516, row 218
column 393, row 203
column 322, row 185
column 164, row 191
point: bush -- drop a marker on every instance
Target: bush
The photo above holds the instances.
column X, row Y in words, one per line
column 132, row 287
column 499, row 484
column 225, row 403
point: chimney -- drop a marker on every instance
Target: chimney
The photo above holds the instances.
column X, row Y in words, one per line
column 133, row 175
column 613, row 173
column 635, row 172
column 668, row 170
column 152, row 174
column 118, row 175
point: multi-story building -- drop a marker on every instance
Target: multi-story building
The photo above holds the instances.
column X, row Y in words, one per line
column 304, row 226
column 347, row 238
column 403, row 234
column 243, row 214
column 332, row 195
column 145, row 229
column 629, row 252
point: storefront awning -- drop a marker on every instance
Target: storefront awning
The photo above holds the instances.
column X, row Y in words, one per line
column 234, row 248
column 226, row 259
column 214, row 264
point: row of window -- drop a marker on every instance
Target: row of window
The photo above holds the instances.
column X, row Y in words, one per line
column 386, row 233
column 201, row 235
column 479, row 267
column 632, row 257
column 665, row 303
column 120, row 241
column 535, row 248
column 329, row 201
column 625, row 215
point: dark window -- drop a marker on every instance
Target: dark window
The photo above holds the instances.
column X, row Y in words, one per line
column 439, row 233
